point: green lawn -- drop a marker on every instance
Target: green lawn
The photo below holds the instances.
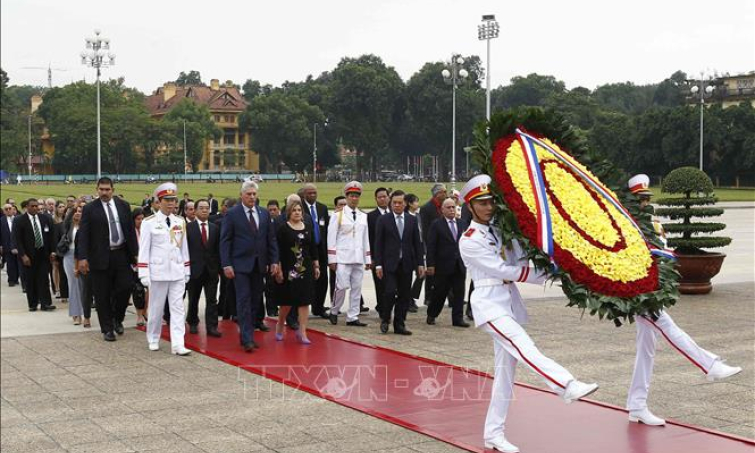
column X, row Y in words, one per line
column 134, row 193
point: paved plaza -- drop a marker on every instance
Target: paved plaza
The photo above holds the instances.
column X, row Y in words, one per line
column 63, row 389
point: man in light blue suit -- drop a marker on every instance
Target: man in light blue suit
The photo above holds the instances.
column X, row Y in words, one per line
column 248, row 249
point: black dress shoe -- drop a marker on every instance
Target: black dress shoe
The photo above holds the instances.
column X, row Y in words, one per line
column 412, row 309
column 12, row 284
column 333, row 319
column 363, row 309
column 384, row 326
column 119, row 328
column 469, row 313
column 47, row 307
column 32, row 308
column 262, row 328
column 249, row 347
column 254, row 344
column 461, row 324
column 325, row 315
column 214, row 333
column 401, row 331
column 293, row 326
column 431, row 320
column 194, row 329
column 108, row 336
column 356, row 323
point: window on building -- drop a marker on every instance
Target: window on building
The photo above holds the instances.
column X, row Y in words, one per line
column 229, row 137
column 216, row 159
column 229, row 155
column 217, row 118
column 241, row 140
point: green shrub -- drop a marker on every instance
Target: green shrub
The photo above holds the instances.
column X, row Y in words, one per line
column 696, row 189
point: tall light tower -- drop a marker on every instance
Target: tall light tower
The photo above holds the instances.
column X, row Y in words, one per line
column 95, row 57
column 702, row 89
column 454, row 75
column 314, row 148
column 486, row 31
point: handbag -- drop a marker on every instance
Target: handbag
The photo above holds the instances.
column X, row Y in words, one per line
column 63, row 245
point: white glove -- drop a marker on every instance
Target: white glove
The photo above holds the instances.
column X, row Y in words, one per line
column 187, row 277
column 145, row 282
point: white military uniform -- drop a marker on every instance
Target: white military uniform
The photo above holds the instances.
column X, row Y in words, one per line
column 164, row 260
column 498, row 308
column 349, row 248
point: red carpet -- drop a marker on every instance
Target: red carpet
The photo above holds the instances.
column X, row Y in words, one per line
column 447, row 402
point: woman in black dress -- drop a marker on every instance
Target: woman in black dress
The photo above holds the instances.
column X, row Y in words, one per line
column 295, row 285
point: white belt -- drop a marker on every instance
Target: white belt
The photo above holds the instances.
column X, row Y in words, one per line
column 488, row 282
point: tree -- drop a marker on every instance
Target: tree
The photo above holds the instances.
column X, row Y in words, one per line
column 199, row 129
column 192, row 78
column 366, row 99
column 281, row 128
column 624, row 97
column 577, row 106
column 532, row 90
column 253, row 88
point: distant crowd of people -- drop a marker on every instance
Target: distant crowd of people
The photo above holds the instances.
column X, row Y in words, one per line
column 249, row 259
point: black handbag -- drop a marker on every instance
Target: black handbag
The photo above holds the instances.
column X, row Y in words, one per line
column 63, row 245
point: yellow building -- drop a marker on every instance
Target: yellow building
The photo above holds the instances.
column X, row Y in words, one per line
column 735, row 89
column 232, row 151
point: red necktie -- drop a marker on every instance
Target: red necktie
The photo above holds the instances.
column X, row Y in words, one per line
column 204, row 234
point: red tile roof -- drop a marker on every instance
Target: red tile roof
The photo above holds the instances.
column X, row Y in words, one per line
column 224, row 99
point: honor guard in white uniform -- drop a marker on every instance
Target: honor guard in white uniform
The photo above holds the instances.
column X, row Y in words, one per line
column 498, row 309
column 349, row 254
column 650, row 328
column 164, row 268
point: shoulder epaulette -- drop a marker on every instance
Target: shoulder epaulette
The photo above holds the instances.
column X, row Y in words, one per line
column 149, row 217
column 469, row 232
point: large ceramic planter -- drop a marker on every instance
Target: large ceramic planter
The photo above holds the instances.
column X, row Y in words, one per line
column 697, row 270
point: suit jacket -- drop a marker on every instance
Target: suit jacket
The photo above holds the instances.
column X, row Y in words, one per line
column 323, row 219
column 203, row 256
column 94, row 234
column 213, row 206
column 6, row 236
column 372, row 218
column 389, row 245
column 443, row 248
column 427, row 214
column 245, row 251
column 23, row 232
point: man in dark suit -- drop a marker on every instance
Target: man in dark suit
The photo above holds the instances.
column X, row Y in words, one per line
column 397, row 254
column 317, row 213
column 182, row 204
column 248, row 249
column 204, row 252
column 8, row 249
column 227, row 297
column 107, row 248
column 34, row 241
column 213, row 204
column 427, row 214
column 444, row 261
column 381, row 199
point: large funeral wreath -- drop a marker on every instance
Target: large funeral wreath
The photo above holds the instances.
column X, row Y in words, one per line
column 573, row 215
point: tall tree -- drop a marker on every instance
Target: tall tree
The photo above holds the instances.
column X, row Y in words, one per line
column 532, row 90
column 192, row 78
column 199, row 129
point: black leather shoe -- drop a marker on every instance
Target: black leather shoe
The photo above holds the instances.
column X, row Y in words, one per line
column 119, row 328
column 255, row 345
column 293, row 326
column 363, row 309
column 431, row 320
column 32, row 308
column 384, row 326
column 262, row 328
column 333, row 319
column 469, row 312
column 109, row 336
column 47, row 307
column 249, row 347
column 325, row 315
column 412, row 309
column 356, row 323
column 461, row 324
column 401, row 331
column 194, row 329
column 214, row 333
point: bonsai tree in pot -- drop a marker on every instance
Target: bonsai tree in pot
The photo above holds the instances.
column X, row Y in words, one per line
column 696, row 266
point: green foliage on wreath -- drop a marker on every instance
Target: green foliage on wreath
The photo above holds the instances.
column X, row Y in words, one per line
column 552, row 125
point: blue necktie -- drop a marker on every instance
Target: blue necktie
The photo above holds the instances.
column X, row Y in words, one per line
column 315, row 224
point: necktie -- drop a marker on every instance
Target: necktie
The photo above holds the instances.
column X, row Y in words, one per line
column 114, row 237
column 204, row 234
column 400, row 226
column 167, row 220
column 453, row 228
column 37, row 234
column 252, row 222
column 354, row 213
column 492, row 233
column 315, row 224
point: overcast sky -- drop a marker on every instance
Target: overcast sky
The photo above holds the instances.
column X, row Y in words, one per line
column 587, row 43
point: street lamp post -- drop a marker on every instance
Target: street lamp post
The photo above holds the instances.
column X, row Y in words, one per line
column 314, row 149
column 30, row 164
column 485, row 32
column 454, row 76
column 702, row 90
column 185, row 153
column 95, row 57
